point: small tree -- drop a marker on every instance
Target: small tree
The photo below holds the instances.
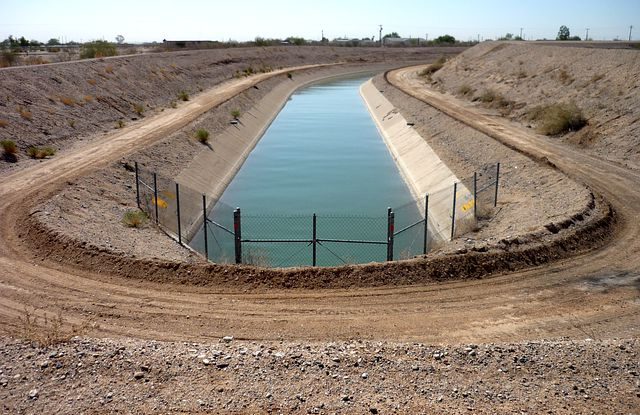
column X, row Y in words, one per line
column 445, row 39
column 53, row 42
column 392, row 35
column 563, row 33
column 120, row 39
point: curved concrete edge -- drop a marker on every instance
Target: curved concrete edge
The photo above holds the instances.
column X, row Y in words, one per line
column 420, row 166
column 211, row 171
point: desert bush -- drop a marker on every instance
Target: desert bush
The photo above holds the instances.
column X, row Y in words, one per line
column 88, row 98
column 465, row 90
column 134, row 218
column 97, row 49
column 202, row 135
column 597, row 77
column 494, row 99
column 68, row 101
column 183, row 96
column 235, row 113
column 434, row 67
column 40, row 153
column 3, row 123
column 9, row 146
column 556, row 119
column 138, row 109
column 173, row 104
column 72, row 123
column 108, row 69
column 91, row 82
column 25, row 113
column 120, row 124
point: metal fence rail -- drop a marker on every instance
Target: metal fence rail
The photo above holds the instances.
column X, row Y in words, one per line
column 225, row 234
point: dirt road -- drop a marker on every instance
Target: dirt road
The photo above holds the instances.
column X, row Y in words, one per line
column 594, row 295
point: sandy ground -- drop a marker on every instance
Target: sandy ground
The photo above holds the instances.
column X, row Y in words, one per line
column 604, row 83
column 589, row 291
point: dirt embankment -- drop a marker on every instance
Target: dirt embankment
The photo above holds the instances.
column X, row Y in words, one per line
column 604, row 83
column 531, row 195
column 60, row 104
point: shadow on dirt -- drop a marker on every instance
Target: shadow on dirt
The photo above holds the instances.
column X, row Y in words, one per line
column 613, row 280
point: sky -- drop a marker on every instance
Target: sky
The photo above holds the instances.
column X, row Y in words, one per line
column 242, row 20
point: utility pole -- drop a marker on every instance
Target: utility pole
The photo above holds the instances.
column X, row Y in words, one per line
column 521, row 33
column 630, row 29
column 587, row 36
column 380, row 35
column 478, row 37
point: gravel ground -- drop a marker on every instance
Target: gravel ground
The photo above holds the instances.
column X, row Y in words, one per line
column 229, row 376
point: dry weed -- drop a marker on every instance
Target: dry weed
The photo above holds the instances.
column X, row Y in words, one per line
column 92, row 82
column 108, row 69
column 556, row 119
column 3, row 123
column 68, row 101
column 48, row 331
column 25, row 113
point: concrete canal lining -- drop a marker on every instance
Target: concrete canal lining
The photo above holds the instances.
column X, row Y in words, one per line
column 420, row 166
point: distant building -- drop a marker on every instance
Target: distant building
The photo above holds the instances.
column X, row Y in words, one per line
column 189, row 44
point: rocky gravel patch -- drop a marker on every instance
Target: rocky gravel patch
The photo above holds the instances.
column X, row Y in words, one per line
column 231, row 376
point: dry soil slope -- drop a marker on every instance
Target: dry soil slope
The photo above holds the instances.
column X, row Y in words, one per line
column 604, row 83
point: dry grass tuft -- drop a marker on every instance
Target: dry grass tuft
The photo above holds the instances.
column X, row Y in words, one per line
column 48, row 331
column 556, row 119
column 88, row 98
column 92, row 82
column 9, row 146
column 564, row 77
column 25, row 113
column 3, row 123
column 183, row 96
column 120, row 124
column 108, row 69
column 68, row 101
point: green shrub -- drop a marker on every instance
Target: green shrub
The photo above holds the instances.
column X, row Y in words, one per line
column 183, row 96
column 120, row 124
column 97, row 49
column 556, row 119
column 40, row 153
column 235, row 113
column 134, row 218
column 138, row 109
column 9, row 146
column 202, row 135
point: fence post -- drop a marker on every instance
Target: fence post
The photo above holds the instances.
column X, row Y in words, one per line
column 178, row 213
column 137, row 186
column 453, row 211
column 314, row 239
column 155, row 194
column 495, row 200
column 206, row 230
column 426, row 224
column 390, row 231
column 237, row 229
column 475, row 195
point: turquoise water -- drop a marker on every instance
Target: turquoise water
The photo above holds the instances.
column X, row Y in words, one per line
column 322, row 154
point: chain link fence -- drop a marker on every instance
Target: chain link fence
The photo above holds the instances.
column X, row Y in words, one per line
column 224, row 234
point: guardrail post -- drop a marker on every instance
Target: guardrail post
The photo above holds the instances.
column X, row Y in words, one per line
column 155, row 194
column 495, row 200
column 426, row 224
column 314, row 239
column 453, row 211
column 237, row 230
column 206, row 230
column 390, row 231
column 137, row 186
column 178, row 213
column 475, row 195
